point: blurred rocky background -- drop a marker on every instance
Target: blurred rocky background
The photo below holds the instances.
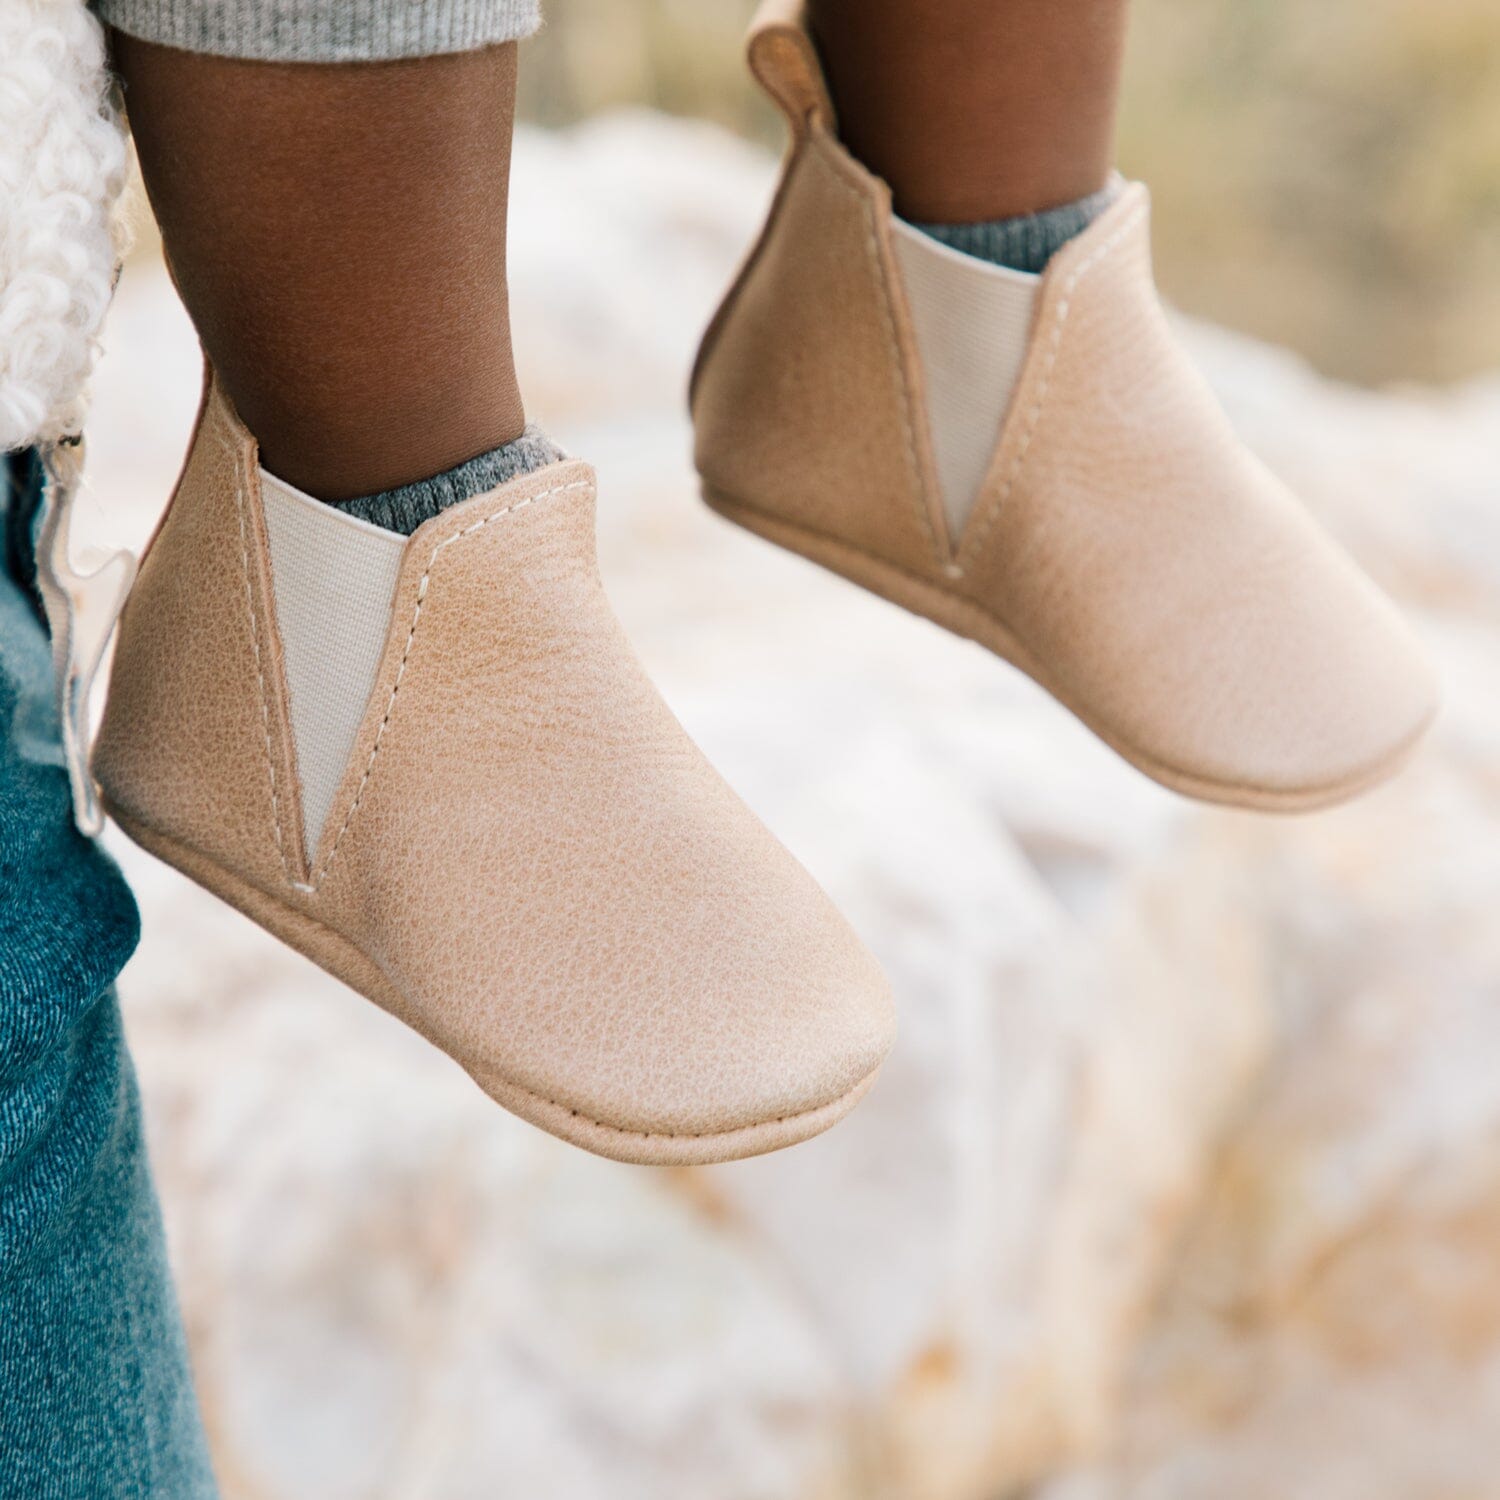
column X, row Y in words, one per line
column 1327, row 176
column 1184, row 1182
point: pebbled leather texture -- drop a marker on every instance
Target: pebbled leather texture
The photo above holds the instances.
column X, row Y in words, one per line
column 1126, row 549
column 197, row 674
column 811, row 359
column 528, row 860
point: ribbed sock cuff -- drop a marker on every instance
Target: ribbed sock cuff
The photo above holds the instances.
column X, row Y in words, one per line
column 1028, row 242
column 403, row 510
column 323, row 31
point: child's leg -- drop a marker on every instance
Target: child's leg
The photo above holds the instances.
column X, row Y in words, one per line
column 976, row 109
column 420, row 750
column 945, row 373
column 337, row 232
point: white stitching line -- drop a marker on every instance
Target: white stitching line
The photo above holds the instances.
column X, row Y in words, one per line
column 888, row 317
column 411, row 635
column 234, row 458
column 971, row 544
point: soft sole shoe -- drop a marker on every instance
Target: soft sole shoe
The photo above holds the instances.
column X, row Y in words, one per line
column 521, row 855
column 1125, row 550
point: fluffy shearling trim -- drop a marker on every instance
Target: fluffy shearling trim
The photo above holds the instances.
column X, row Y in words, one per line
column 62, row 166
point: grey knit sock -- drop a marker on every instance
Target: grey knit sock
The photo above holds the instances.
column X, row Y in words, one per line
column 1026, row 243
column 405, row 509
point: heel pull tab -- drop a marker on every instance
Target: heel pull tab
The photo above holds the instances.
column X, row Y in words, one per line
column 786, row 65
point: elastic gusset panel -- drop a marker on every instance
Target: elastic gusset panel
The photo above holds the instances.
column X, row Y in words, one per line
column 334, row 579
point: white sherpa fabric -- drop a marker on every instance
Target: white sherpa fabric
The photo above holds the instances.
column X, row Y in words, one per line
column 62, row 166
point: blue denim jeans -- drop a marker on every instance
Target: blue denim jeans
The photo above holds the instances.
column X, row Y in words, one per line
column 96, row 1400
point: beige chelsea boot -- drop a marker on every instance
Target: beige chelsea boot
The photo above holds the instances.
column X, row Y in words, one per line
column 1125, row 550
column 503, row 837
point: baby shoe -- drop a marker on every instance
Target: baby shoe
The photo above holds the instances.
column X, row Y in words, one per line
column 1121, row 547
column 433, row 765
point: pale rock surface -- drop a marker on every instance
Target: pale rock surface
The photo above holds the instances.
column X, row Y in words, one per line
column 1182, row 1182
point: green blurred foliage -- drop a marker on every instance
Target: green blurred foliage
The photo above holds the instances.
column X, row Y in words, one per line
column 1326, row 175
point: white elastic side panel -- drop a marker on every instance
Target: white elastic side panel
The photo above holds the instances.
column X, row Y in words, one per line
column 335, row 578
column 972, row 322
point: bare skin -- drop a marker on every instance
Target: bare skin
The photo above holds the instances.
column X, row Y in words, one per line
column 976, row 109
column 337, row 231
column 338, row 235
